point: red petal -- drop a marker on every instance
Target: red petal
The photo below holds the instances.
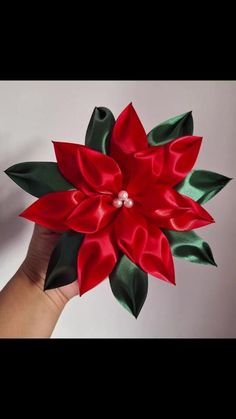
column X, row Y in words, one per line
column 172, row 210
column 88, row 169
column 167, row 164
column 66, row 154
column 96, row 259
column 52, row 209
column 180, row 157
column 92, row 214
column 157, row 257
column 144, row 168
column 128, row 135
column 144, row 244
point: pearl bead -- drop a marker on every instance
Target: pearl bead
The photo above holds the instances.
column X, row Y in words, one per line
column 128, row 203
column 117, row 203
column 123, row 195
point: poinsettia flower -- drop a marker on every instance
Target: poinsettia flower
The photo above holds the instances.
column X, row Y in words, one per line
column 121, row 201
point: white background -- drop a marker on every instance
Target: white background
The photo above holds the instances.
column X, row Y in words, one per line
column 203, row 303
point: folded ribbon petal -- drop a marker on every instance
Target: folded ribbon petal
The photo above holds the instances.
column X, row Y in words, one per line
column 143, row 168
column 92, row 214
column 172, row 210
column 66, row 155
column 167, row 164
column 180, row 156
column 144, row 244
column 96, row 259
column 52, row 209
column 157, row 257
column 88, row 169
column 128, row 135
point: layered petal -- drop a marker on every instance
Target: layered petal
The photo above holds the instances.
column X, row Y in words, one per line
column 52, row 209
column 66, row 155
column 167, row 164
column 88, row 169
column 172, row 210
column 92, row 214
column 96, row 258
column 144, row 244
column 128, row 136
column 180, row 157
column 144, row 168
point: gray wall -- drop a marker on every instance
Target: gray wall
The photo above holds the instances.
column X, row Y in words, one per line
column 203, row 304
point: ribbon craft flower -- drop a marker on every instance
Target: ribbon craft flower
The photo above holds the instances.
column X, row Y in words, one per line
column 119, row 211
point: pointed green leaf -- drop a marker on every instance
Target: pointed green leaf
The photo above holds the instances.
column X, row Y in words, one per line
column 167, row 131
column 99, row 129
column 202, row 185
column 38, row 178
column 62, row 267
column 129, row 285
column 188, row 245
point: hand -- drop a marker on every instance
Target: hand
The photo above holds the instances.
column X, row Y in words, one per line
column 35, row 264
column 26, row 310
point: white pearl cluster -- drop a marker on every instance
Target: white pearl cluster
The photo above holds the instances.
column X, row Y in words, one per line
column 123, row 198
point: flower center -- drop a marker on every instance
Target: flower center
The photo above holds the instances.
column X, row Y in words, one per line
column 123, row 199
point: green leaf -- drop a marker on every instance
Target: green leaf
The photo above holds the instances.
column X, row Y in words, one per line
column 202, row 185
column 167, row 131
column 129, row 285
column 38, row 178
column 188, row 245
column 62, row 267
column 99, row 129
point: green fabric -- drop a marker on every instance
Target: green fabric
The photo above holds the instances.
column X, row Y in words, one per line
column 165, row 132
column 188, row 245
column 99, row 129
column 38, row 178
column 128, row 281
column 129, row 285
column 202, row 185
column 62, row 267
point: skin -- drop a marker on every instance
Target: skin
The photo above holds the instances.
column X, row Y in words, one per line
column 26, row 310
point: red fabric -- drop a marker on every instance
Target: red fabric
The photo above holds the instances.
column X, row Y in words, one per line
column 52, row 209
column 128, row 136
column 96, row 258
column 172, row 210
column 168, row 164
column 101, row 208
column 148, row 174
column 144, row 244
column 87, row 169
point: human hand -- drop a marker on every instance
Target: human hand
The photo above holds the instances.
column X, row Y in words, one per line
column 35, row 264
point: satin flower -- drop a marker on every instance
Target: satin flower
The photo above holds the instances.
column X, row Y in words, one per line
column 122, row 201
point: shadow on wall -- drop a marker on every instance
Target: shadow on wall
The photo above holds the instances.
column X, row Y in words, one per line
column 12, row 197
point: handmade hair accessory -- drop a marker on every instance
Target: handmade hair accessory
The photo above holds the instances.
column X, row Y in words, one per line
column 125, row 203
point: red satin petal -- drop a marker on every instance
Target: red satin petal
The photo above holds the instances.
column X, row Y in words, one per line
column 172, row 210
column 96, row 259
column 156, row 258
column 87, row 169
column 144, row 244
column 167, row 164
column 128, row 136
column 131, row 232
column 100, row 171
column 92, row 214
column 143, row 168
column 52, row 209
column 180, row 157
column 66, row 155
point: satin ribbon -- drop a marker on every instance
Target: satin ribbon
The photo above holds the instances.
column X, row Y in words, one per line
column 149, row 175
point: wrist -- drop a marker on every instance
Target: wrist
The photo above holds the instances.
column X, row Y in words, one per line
column 54, row 297
column 26, row 310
